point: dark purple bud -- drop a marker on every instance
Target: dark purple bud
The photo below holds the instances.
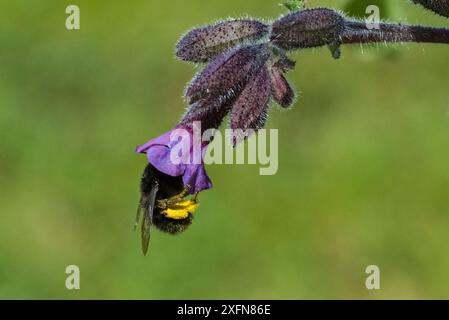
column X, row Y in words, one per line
column 209, row 116
column 440, row 7
column 282, row 92
column 307, row 29
column 249, row 111
column 225, row 77
column 285, row 64
column 202, row 44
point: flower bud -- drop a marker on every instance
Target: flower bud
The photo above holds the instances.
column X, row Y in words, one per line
column 226, row 76
column 249, row 111
column 282, row 92
column 202, row 44
column 307, row 29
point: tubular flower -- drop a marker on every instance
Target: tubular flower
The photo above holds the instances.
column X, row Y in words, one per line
column 176, row 154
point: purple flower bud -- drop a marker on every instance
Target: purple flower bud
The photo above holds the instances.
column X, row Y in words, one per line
column 440, row 7
column 202, row 44
column 209, row 117
column 225, row 77
column 282, row 92
column 307, row 29
column 249, row 111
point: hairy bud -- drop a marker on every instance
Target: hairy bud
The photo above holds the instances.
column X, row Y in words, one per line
column 202, row 44
column 210, row 117
column 249, row 111
column 440, row 7
column 307, row 29
column 225, row 76
column 282, row 92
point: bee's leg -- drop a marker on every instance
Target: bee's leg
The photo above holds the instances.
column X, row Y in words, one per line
column 178, row 208
column 184, row 193
column 167, row 203
column 181, row 210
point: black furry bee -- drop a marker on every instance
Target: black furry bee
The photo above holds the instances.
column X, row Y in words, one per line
column 163, row 204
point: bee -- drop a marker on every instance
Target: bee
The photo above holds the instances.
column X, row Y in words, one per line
column 163, row 204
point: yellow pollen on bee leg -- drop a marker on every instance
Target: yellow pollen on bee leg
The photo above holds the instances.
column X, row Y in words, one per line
column 181, row 210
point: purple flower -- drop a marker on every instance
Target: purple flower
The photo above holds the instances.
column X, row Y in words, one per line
column 177, row 153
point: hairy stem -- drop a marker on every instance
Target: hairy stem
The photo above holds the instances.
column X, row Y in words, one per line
column 358, row 32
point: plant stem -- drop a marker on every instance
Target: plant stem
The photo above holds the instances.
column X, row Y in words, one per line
column 358, row 32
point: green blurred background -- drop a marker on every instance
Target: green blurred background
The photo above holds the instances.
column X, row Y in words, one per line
column 363, row 163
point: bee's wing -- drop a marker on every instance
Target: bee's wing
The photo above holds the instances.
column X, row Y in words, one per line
column 148, row 218
column 139, row 213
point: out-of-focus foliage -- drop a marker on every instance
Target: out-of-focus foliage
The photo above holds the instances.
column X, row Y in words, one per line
column 294, row 5
column 363, row 164
column 358, row 8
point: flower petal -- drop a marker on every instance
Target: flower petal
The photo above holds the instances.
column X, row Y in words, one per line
column 163, row 140
column 159, row 157
column 196, row 178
